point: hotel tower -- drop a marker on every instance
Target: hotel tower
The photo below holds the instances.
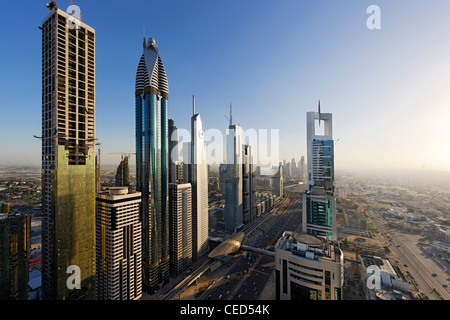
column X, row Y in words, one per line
column 68, row 152
column 152, row 164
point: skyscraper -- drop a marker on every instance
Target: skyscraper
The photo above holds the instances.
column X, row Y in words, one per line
column 198, row 177
column 277, row 182
column 180, row 209
column 68, row 154
column 293, row 168
column 319, row 203
column 173, row 151
column 233, row 181
column 152, row 164
column 15, row 229
column 123, row 173
column 118, row 245
column 302, row 168
column 248, row 189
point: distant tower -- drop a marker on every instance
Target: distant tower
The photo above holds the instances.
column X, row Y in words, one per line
column 152, row 164
column 302, row 168
column 68, row 155
column 319, row 203
column 277, row 182
column 293, row 168
column 233, row 183
column 173, row 151
column 248, row 188
column 118, row 245
column 123, row 173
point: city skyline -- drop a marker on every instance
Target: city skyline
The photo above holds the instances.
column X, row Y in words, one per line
column 378, row 83
column 311, row 90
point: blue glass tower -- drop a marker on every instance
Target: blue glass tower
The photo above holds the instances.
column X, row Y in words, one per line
column 152, row 164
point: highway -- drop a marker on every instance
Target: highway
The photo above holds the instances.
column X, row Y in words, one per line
column 247, row 274
column 422, row 275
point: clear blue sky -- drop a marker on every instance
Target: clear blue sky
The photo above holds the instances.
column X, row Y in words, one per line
column 388, row 89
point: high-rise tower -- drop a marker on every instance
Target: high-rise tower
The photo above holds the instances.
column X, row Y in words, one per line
column 180, row 209
column 152, row 163
column 233, row 180
column 248, row 188
column 198, row 177
column 319, row 203
column 68, row 155
column 118, row 251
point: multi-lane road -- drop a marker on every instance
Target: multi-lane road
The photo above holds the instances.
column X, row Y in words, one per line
column 248, row 272
column 407, row 255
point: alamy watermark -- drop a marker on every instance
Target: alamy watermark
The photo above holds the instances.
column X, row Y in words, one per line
column 74, row 280
column 219, row 148
column 374, row 20
column 74, row 21
column 373, row 281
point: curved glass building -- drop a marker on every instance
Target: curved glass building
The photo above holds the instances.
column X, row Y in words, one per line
column 152, row 172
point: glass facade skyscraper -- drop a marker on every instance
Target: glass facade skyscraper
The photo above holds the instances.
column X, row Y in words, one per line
column 152, row 163
column 319, row 203
column 15, row 245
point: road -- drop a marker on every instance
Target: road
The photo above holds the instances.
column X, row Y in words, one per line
column 249, row 272
column 422, row 274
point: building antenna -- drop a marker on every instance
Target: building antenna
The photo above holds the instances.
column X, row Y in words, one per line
column 231, row 114
column 319, row 113
column 143, row 30
column 193, row 105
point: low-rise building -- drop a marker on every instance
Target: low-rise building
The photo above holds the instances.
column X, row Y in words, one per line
column 308, row 268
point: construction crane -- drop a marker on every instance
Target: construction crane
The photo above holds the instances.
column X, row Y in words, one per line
column 52, row 5
column 98, row 167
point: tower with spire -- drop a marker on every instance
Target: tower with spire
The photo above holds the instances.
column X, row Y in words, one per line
column 152, row 164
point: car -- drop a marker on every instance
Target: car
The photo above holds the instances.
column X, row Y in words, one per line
column 434, row 275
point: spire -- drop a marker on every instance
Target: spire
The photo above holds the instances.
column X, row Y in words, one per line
column 319, row 112
column 145, row 45
column 193, row 105
column 231, row 114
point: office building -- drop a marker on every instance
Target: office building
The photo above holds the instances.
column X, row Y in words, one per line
column 222, row 177
column 15, row 229
column 198, row 178
column 248, row 188
column 123, row 173
column 152, row 164
column 180, row 229
column 118, row 245
column 308, row 268
column 293, row 168
column 173, row 151
column 319, row 203
column 277, row 182
column 233, row 182
column 68, row 154
column 302, row 168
